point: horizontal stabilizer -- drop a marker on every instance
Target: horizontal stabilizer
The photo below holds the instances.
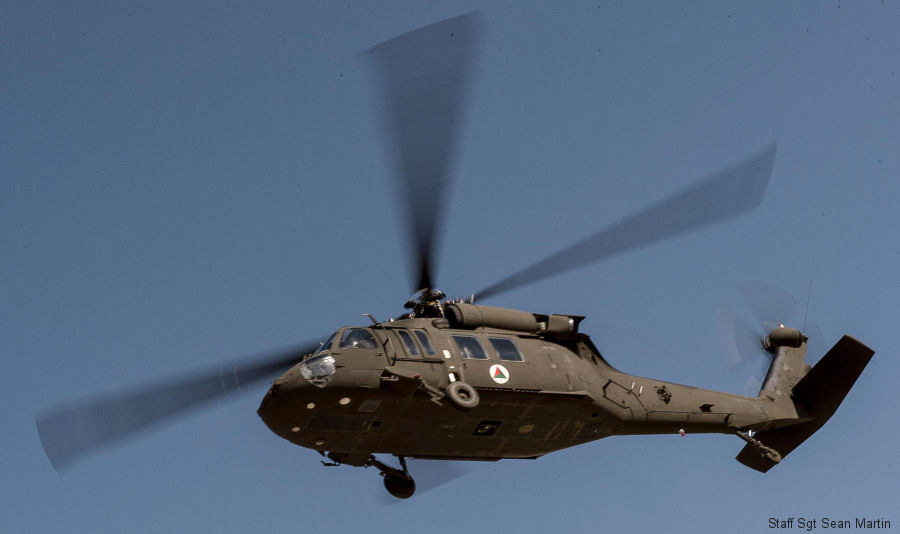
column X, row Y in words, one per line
column 819, row 393
column 783, row 440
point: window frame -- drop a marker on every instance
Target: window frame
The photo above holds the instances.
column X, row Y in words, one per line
column 425, row 342
column 346, row 331
column 326, row 345
column 409, row 343
column 462, row 350
column 492, row 339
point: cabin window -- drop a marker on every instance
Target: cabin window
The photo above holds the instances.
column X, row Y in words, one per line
column 357, row 338
column 506, row 349
column 470, row 347
column 408, row 342
column 426, row 343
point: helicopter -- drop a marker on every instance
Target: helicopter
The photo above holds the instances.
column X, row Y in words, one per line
column 454, row 380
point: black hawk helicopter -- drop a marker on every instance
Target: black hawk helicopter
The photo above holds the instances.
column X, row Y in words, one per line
column 453, row 380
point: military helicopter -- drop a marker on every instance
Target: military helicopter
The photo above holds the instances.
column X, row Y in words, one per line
column 455, row 380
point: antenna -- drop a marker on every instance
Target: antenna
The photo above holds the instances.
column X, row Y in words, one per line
column 806, row 314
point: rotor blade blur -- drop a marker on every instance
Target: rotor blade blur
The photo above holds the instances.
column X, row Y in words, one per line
column 816, row 346
column 422, row 79
column 69, row 432
column 769, row 303
column 754, row 384
column 738, row 342
column 723, row 195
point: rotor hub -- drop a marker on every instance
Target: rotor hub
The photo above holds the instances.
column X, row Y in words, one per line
column 783, row 336
column 427, row 303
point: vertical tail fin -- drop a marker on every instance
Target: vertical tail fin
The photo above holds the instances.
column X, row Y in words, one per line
column 788, row 365
column 816, row 395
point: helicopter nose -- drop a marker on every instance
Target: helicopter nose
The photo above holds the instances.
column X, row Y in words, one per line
column 283, row 394
column 290, row 380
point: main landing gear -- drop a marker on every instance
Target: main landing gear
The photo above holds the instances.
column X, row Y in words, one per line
column 398, row 482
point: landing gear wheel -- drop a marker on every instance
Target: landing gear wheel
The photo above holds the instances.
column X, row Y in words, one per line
column 396, row 481
column 462, row 395
column 400, row 486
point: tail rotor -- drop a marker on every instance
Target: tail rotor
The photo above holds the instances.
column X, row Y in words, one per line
column 742, row 343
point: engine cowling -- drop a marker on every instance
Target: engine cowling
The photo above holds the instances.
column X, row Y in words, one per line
column 463, row 315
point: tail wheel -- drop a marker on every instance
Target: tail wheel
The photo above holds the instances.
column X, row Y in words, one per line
column 462, row 395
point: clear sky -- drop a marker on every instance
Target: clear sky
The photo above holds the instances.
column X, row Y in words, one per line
column 184, row 184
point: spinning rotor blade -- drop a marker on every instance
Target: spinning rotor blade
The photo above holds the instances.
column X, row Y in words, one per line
column 742, row 344
column 773, row 305
column 69, row 432
column 742, row 348
column 770, row 304
column 722, row 196
column 422, row 77
column 738, row 342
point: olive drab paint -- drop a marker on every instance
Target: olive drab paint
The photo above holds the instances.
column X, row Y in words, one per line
column 384, row 396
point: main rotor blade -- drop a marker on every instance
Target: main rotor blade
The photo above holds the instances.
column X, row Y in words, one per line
column 423, row 77
column 721, row 196
column 68, row 433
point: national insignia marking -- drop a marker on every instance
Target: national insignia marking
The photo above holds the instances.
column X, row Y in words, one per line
column 499, row 374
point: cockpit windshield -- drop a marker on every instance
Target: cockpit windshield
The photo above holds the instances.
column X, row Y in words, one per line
column 326, row 346
column 357, row 338
column 319, row 368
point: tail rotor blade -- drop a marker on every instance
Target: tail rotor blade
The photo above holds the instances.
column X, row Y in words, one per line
column 69, row 432
column 816, row 345
column 738, row 342
column 753, row 384
column 741, row 344
column 770, row 304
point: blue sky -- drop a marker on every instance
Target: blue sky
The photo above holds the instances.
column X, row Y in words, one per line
column 181, row 186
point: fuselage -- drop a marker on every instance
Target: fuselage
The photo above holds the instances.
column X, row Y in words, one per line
column 376, row 389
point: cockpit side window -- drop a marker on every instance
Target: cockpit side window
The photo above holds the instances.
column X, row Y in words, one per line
column 470, row 347
column 357, row 338
column 408, row 342
column 426, row 343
